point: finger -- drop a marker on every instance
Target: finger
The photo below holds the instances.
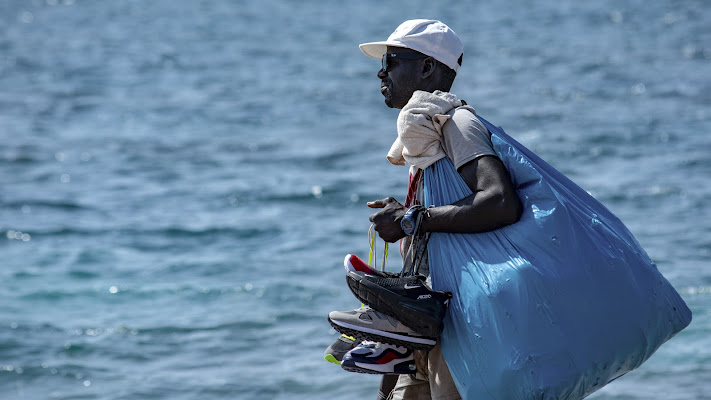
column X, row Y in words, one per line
column 377, row 203
column 381, row 203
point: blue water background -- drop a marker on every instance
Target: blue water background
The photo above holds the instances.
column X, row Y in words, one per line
column 180, row 181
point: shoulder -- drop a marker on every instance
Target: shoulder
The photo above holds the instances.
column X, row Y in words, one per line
column 463, row 121
column 465, row 138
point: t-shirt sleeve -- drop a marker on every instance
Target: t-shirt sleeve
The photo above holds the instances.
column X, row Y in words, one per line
column 465, row 138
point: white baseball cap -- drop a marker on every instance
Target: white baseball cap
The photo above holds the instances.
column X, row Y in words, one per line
column 429, row 37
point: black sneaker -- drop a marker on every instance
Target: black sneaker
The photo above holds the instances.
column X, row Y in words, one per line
column 406, row 298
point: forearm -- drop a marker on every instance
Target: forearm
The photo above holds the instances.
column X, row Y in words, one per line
column 493, row 205
column 479, row 212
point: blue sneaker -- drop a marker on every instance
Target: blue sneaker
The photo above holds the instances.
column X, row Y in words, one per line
column 379, row 358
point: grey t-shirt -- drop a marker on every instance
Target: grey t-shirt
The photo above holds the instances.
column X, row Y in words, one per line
column 465, row 138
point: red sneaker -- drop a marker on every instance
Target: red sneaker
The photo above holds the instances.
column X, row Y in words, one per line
column 355, row 263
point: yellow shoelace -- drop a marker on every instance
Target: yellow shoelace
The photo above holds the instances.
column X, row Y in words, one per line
column 372, row 256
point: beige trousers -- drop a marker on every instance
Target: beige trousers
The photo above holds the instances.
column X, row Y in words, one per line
column 432, row 380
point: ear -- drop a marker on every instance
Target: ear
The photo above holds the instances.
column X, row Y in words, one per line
column 428, row 67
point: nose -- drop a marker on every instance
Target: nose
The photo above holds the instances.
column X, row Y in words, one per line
column 382, row 73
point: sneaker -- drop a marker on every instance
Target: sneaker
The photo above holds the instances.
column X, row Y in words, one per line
column 339, row 348
column 406, row 298
column 368, row 324
column 356, row 264
column 379, row 358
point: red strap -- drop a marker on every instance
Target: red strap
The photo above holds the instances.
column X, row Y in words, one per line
column 411, row 200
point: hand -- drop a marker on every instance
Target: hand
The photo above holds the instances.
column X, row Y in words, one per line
column 387, row 221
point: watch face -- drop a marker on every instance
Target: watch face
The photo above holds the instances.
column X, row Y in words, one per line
column 408, row 221
column 407, row 225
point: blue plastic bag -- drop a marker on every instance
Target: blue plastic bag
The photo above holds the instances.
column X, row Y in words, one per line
column 554, row 306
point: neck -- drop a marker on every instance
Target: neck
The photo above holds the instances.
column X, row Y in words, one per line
column 432, row 85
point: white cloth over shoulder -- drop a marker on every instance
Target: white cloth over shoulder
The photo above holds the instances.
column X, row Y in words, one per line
column 419, row 129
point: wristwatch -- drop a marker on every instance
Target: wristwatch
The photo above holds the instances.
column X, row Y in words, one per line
column 409, row 221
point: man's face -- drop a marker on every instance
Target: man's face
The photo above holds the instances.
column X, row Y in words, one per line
column 399, row 82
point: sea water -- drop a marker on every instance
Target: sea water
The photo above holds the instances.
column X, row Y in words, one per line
column 180, row 181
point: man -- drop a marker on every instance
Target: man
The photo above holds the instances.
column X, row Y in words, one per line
column 425, row 55
column 530, row 316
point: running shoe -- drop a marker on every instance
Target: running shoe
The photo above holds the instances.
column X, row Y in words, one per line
column 335, row 352
column 406, row 298
column 356, row 264
column 368, row 324
column 379, row 358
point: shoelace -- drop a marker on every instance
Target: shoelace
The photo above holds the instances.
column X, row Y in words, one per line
column 372, row 256
column 419, row 243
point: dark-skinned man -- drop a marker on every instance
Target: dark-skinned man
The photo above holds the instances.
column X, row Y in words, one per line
column 419, row 63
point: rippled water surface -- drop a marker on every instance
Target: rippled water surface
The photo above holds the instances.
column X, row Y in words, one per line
column 179, row 181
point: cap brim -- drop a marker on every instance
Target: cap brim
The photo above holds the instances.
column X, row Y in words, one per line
column 377, row 49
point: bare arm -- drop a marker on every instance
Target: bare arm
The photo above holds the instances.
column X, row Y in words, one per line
column 493, row 204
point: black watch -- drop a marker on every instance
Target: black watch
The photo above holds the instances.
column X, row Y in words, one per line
column 409, row 221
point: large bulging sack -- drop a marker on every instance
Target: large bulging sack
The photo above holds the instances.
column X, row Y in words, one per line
column 554, row 306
